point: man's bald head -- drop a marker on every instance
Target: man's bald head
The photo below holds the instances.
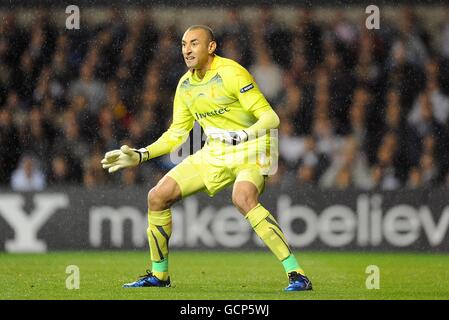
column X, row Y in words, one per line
column 209, row 32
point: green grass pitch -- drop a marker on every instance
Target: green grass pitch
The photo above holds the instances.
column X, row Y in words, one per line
column 228, row 275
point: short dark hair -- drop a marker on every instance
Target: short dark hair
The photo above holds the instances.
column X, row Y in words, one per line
column 208, row 30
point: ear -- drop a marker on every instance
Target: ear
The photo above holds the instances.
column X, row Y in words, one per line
column 212, row 47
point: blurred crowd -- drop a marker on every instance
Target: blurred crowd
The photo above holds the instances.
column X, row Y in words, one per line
column 359, row 108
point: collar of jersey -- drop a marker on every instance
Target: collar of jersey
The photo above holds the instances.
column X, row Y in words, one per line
column 209, row 73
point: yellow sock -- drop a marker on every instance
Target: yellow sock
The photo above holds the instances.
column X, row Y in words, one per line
column 266, row 227
column 159, row 232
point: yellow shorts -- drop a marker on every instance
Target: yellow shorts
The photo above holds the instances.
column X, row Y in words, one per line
column 210, row 171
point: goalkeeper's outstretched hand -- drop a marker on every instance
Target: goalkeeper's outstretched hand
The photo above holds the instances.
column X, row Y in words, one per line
column 125, row 157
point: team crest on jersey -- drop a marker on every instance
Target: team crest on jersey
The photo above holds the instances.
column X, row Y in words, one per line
column 247, row 88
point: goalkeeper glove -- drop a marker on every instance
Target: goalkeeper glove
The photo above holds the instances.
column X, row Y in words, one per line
column 124, row 157
column 228, row 137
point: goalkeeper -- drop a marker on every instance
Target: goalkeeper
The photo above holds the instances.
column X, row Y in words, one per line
column 222, row 96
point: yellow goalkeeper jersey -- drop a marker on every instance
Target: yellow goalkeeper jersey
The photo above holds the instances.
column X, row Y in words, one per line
column 227, row 98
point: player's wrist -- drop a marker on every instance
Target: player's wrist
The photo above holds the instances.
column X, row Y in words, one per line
column 144, row 154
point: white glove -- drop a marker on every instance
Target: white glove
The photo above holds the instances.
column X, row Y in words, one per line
column 228, row 137
column 124, row 157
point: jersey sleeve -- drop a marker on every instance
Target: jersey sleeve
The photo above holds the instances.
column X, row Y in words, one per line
column 248, row 93
column 267, row 120
column 178, row 131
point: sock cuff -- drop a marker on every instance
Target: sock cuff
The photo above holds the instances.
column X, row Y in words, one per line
column 159, row 218
column 160, row 266
column 291, row 264
column 256, row 215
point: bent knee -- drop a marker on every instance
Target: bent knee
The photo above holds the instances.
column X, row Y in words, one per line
column 160, row 198
column 243, row 201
